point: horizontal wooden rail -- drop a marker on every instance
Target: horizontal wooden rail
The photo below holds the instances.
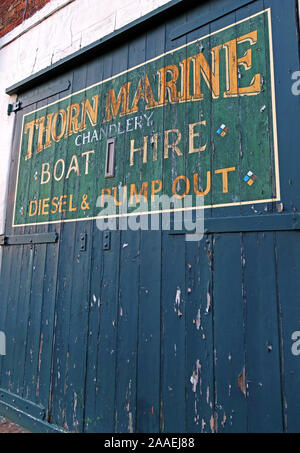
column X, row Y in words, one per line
column 28, row 239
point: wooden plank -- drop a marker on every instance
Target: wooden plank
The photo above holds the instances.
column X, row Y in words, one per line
column 10, row 260
column 48, row 318
column 76, row 337
column 262, row 128
column 16, row 284
column 228, row 308
column 92, row 417
column 16, row 340
column 224, row 149
column 127, row 323
column 58, row 401
column 199, row 337
column 108, row 282
column 149, row 328
column 173, row 292
column 4, row 288
column 35, row 274
column 288, row 290
column 285, row 62
column 106, row 352
column 264, row 403
column 199, row 331
column 10, row 312
column 207, row 17
column 22, row 323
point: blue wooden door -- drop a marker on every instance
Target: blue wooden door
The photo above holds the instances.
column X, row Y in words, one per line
column 143, row 331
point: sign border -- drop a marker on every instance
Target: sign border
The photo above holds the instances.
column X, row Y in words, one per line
column 222, row 205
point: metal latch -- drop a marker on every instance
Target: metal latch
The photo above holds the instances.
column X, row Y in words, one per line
column 14, row 107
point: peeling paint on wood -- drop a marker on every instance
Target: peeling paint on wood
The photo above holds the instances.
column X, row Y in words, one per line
column 158, row 334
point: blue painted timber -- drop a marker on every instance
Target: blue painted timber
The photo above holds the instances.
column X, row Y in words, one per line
column 157, row 334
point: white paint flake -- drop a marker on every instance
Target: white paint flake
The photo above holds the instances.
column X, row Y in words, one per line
column 195, row 376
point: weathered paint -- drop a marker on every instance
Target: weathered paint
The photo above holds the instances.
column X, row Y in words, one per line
column 27, row 49
column 157, row 334
column 63, row 146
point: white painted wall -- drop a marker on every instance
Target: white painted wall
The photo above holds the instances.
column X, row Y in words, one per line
column 59, row 29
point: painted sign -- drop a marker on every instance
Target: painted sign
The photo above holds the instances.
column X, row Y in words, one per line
column 199, row 120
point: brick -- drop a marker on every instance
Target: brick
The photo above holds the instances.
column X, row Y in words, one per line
column 6, row 426
column 12, row 13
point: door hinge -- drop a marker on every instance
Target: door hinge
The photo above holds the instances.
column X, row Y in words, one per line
column 29, row 239
column 14, row 107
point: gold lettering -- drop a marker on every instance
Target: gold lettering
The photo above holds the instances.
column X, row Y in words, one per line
column 29, row 126
column 113, row 105
column 62, row 202
column 187, row 188
column 87, row 160
column 224, row 172
column 185, row 65
column 122, row 189
column 211, row 75
column 45, row 171
column 72, row 122
column 133, row 193
column 71, row 209
column 62, row 169
column 208, row 184
column 168, row 86
column 91, row 112
column 144, row 91
column 40, row 124
column 192, row 135
column 45, row 205
column 62, row 114
column 73, row 166
column 32, row 203
column 154, row 190
column 103, row 192
column 134, row 150
column 232, row 63
column 54, row 203
column 174, row 146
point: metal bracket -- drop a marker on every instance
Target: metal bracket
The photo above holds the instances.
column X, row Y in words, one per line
column 28, row 239
column 83, row 238
column 7, row 398
column 14, row 107
column 106, row 240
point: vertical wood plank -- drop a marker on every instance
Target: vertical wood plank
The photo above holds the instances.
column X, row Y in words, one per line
column 173, row 296
column 288, row 290
column 199, row 332
column 149, row 333
column 128, row 310
column 229, row 335
column 264, row 402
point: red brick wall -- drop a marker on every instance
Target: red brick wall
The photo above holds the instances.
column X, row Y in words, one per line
column 13, row 12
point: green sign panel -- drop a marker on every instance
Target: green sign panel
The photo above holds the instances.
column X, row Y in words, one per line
column 197, row 121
